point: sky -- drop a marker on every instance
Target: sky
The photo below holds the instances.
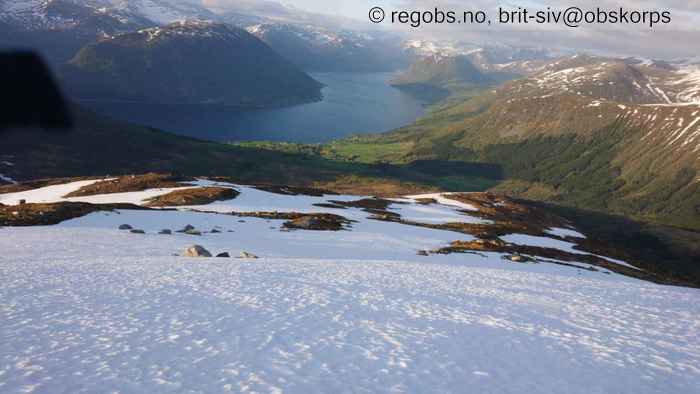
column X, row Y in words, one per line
column 357, row 9
column 680, row 38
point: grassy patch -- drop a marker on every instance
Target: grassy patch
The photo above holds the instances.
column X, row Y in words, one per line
column 360, row 151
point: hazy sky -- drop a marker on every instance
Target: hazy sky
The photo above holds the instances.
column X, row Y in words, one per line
column 357, row 9
column 680, row 38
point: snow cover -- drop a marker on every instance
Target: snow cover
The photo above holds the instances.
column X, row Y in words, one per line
column 368, row 239
column 444, row 198
column 565, row 232
column 7, row 179
column 34, row 14
column 88, row 308
column 100, row 311
column 46, row 194
column 543, row 242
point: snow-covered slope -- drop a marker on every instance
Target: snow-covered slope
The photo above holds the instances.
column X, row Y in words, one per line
column 87, row 307
column 313, row 47
column 662, row 100
column 488, row 58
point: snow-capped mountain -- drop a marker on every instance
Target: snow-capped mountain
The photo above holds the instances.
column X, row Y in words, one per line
column 442, row 72
column 284, row 12
column 630, row 81
column 64, row 14
column 488, row 58
column 173, row 64
column 656, row 98
column 320, row 49
column 58, row 28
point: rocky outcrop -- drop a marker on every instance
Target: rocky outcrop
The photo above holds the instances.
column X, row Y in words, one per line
column 53, row 213
column 194, row 196
column 321, row 222
column 130, row 183
column 196, row 251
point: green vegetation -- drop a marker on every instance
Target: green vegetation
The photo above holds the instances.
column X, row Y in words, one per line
column 594, row 171
column 99, row 146
column 358, row 150
column 548, row 151
column 577, row 175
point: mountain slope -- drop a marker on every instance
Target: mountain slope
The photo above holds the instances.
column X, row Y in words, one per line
column 589, row 132
column 319, row 49
column 501, row 61
column 65, row 14
column 312, row 309
column 176, row 64
column 449, row 72
column 58, row 28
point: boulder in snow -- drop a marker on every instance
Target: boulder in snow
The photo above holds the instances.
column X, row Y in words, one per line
column 187, row 228
column 196, row 251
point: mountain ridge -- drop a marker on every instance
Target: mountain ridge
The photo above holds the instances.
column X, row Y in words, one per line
column 174, row 64
column 584, row 131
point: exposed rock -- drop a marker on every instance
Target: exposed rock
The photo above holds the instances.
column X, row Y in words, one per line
column 517, row 258
column 321, row 222
column 301, row 221
column 137, row 231
column 130, row 183
column 215, row 231
column 185, row 229
column 165, row 232
column 196, row 251
column 515, row 215
column 367, row 203
column 193, row 232
column 368, row 186
column 426, row 201
column 224, row 254
column 246, row 255
column 125, row 227
column 39, row 183
column 295, row 190
column 194, row 196
column 45, row 214
column 423, row 253
column 491, row 244
column 329, row 205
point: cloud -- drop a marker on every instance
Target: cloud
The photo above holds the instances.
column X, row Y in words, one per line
column 677, row 39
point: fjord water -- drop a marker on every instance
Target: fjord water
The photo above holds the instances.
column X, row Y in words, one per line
column 353, row 103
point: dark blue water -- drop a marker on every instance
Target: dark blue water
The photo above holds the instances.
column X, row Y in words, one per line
column 353, row 103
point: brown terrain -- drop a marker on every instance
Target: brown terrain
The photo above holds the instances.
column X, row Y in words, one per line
column 131, row 183
column 54, row 213
column 503, row 215
column 195, row 196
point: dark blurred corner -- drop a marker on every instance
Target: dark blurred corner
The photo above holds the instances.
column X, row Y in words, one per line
column 30, row 96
